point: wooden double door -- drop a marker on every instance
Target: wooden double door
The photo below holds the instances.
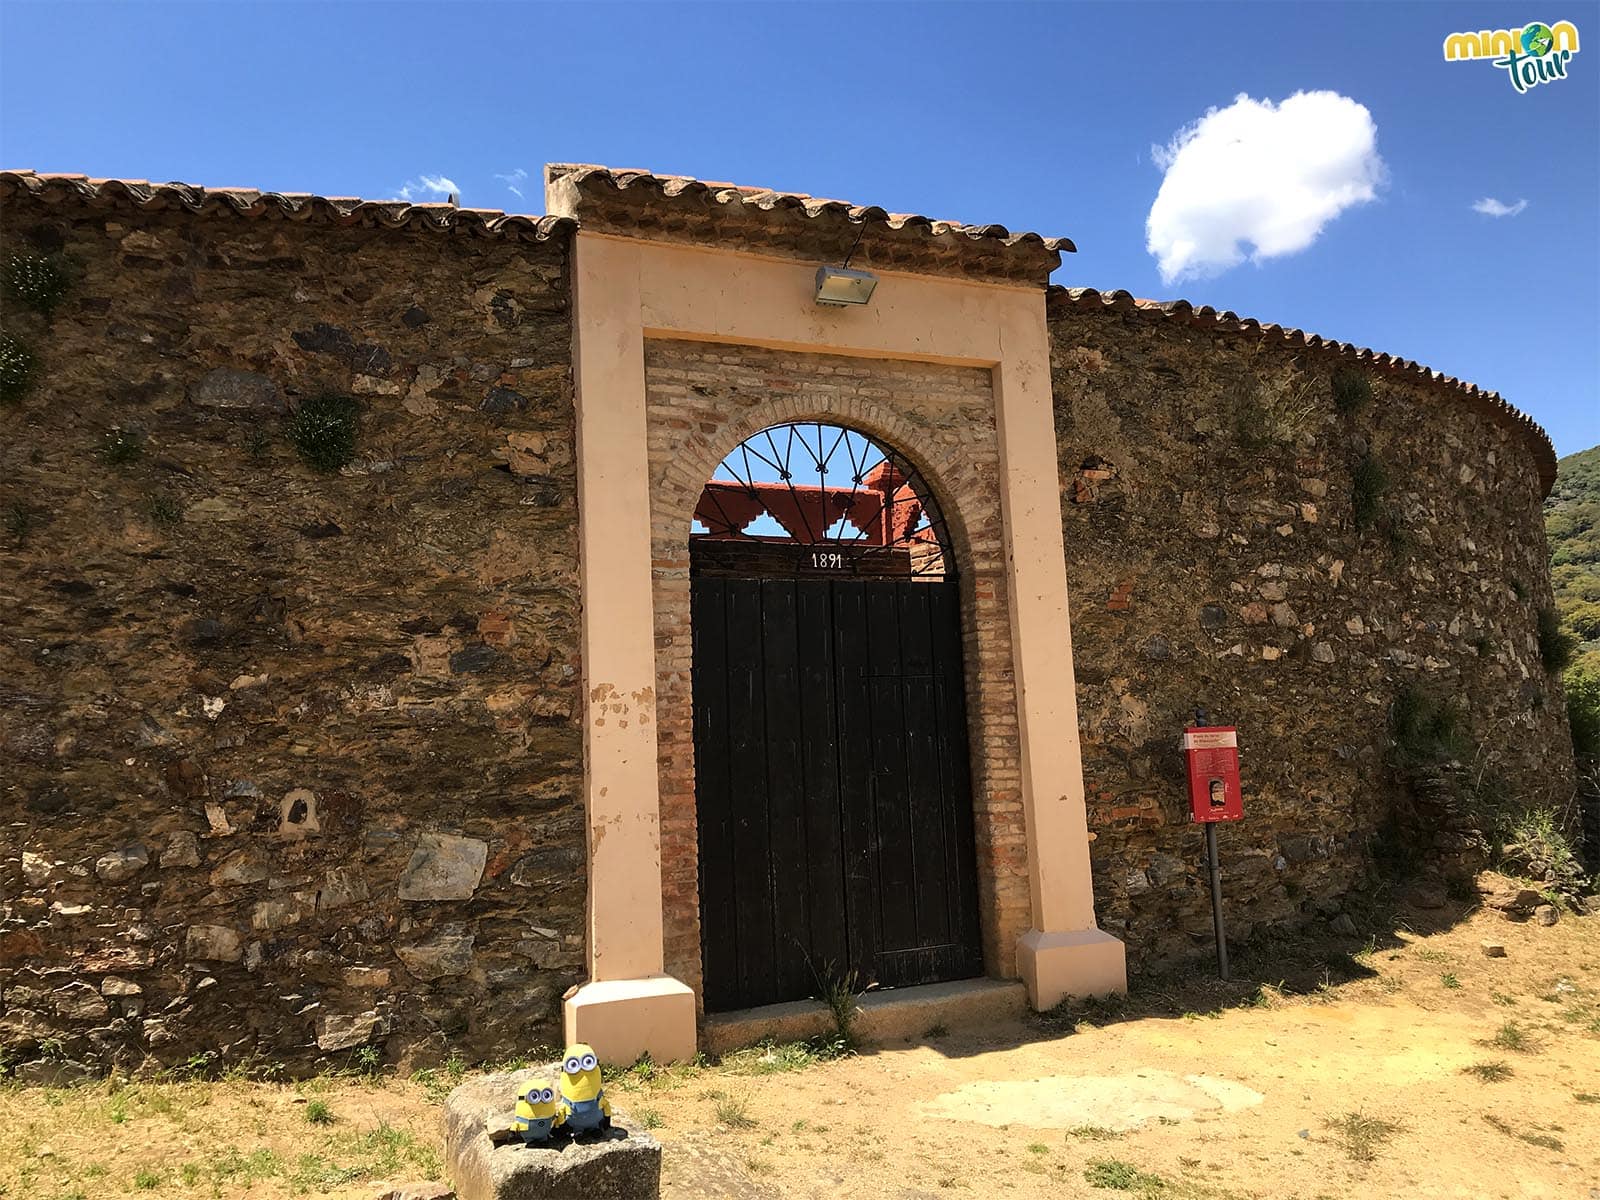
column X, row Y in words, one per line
column 832, row 784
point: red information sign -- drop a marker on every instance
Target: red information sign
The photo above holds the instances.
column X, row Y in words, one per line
column 1212, row 753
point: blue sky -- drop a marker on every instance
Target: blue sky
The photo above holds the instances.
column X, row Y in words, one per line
column 1039, row 116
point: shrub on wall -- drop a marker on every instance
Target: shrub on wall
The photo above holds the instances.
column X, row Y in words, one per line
column 16, row 368
column 1425, row 729
column 1351, row 391
column 323, row 430
column 1369, row 482
column 1555, row 643
column 35, row 281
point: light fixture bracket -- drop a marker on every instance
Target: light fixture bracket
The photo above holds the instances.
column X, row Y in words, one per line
column 841, row 287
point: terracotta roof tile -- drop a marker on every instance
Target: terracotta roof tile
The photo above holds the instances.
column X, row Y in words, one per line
column 679, row 207
column 1223, row 321
column 346, row 211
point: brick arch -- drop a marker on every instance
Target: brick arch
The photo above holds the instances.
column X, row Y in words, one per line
column 702, row 400
column 675, row 498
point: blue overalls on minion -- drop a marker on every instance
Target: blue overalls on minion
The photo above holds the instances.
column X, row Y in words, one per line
column 536, row 1129
column 585, row 1116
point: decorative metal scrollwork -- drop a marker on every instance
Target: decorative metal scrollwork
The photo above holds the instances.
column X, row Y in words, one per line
column 815, row 497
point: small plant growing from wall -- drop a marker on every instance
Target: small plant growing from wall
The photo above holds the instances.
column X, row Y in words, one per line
column 257, row 444
column 323, row 430
column 1555, row 643
column 35, row 281
column 163, row 509
column 16, row 368
column 1425, row 729
column 1351, row 391
column 21, row 520
column 1272, row 404
column 1369, row 482
column 121, row 447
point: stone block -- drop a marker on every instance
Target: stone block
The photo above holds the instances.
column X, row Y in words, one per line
column 447, row 952
column 213, row 943
column 444, row 867
column 182, row 850
column 345, row 1031
column 226, row 387
column 119, row 866
column 622, row 1165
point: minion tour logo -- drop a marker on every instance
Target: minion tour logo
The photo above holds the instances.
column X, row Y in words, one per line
column 1532, row 55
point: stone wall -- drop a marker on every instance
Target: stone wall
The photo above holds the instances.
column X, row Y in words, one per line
column 291, row 761
column 1215, row 561
column 704, row 399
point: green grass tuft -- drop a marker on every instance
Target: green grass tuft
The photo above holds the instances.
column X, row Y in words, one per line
column 734, row 1112
column 35, row 281
column 16, row 368
column 1510, row 1036
column 323, row 430
column 1489, row 1072
column 1119, row 1176
column 121, row 447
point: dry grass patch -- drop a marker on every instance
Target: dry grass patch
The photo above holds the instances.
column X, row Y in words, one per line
column 1361, row 1137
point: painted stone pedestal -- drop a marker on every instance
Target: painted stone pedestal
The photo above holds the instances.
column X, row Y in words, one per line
column 624, row 1018
column 1085, row 962
column 486, row 1162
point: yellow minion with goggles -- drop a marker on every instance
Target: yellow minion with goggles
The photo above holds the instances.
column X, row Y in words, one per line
column 538, row 1113
column 584, row 1107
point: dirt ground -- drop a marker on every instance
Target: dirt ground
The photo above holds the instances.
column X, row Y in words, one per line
column 1412, row 1065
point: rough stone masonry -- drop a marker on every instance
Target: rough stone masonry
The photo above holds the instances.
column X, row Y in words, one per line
column 291, row 763
column 289, row 760
column 1217, row 563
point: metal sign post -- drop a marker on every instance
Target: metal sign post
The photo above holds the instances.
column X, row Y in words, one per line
column 1212, row 755
column 1216, row 900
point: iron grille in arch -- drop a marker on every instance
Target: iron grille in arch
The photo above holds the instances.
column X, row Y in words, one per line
column 808, row 497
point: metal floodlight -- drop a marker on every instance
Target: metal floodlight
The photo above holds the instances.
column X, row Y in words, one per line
column 840, row 286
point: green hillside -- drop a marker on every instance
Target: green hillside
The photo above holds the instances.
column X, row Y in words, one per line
column 1572, row 524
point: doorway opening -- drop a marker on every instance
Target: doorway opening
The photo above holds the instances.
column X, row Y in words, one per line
column 832, row 780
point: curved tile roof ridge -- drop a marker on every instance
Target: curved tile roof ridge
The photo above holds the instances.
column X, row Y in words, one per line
column 348, row 211
column 1085, row 299
column 680, row 187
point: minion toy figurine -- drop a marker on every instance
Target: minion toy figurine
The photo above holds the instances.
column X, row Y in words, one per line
column 538, row 1113
column 584, row 1107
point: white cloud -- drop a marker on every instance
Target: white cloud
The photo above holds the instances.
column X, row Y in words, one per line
column 1490, row 207
column 1259, row 174
column 511, row 179
column 431, row 187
